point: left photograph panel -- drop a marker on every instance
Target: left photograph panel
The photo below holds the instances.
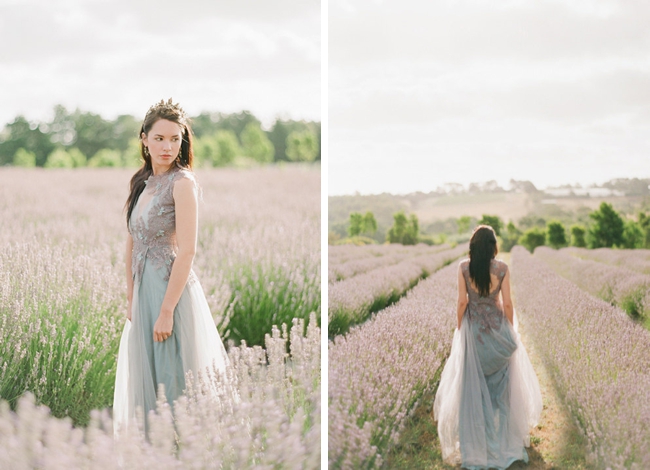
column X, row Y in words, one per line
column 160, row 258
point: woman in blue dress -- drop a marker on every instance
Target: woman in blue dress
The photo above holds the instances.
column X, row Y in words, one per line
column 489, row 396
column 169, row 330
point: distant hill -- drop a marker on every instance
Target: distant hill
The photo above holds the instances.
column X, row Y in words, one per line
column 523, row 205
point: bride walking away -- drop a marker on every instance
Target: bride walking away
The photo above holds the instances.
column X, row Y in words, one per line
column 489, row 396
column 169, row 329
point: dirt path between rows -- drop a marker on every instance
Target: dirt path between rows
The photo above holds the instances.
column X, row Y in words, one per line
column 555, row 443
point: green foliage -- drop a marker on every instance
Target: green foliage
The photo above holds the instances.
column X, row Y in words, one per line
column 93, row 133
column 493, row 221
column 356, row 224
column 464, row 223
column 59, row 158
column 356, row 240
column 24, row 158
column 66, row 158
column 106, row 158
column 90, row 133
column 22, row 134
column 78, row 158
column 633, row 235
column 302, row 146
column 281, row 131
column 404, row 230
column 644, row 224
column 131, row 157
column 256, row 144
column 556, row 235
column 267, row 295
column 362, row 224
column 220, row 149
column 369, row 224
column 578, row 236
column 227, row 147
column 509, row 238
column 607, row 228
column 532, row 238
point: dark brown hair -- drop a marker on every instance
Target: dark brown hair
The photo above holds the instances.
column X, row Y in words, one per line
column 170, row 112
column 482, row 250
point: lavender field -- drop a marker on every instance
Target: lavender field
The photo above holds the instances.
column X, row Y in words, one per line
column 378, row 371
column 597, row 358
column 613, row 282
column 63, row 303
column 351, row 300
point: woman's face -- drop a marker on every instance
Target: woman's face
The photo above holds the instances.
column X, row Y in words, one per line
column 164, row 142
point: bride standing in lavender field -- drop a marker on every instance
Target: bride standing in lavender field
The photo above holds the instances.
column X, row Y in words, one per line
column 489, row 396
column 169, row 330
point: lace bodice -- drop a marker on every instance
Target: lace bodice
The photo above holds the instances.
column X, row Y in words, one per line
column 486, row 311
column 153, row 223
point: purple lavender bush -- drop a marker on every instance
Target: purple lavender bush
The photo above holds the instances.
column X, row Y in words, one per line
column 352, row 300
column 636, row 260
column 599, row 359
column 619, row 286
column 378, row 371
column 383, row 255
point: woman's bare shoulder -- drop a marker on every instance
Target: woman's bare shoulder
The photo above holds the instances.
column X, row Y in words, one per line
column 500, row 266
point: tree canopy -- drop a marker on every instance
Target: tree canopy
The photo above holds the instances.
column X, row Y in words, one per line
column 77, row 138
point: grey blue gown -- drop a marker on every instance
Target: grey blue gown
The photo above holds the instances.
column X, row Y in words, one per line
column 489, row 396
column 194, row 344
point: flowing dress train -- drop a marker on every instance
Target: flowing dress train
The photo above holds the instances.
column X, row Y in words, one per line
column 194, row 344
column 489, row 396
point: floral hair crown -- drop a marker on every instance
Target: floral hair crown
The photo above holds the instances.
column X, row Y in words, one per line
column 168, row 106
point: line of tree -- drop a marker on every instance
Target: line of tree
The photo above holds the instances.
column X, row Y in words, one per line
column 74, row 139
column 607, row 229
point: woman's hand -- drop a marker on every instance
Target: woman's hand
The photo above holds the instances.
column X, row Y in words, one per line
column 163, row 327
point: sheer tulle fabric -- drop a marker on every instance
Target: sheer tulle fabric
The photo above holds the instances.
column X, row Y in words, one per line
column 487, row 400
column 194, row 345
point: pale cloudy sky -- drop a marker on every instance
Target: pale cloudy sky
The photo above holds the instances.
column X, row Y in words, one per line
column 116, row 57
column 427, row 92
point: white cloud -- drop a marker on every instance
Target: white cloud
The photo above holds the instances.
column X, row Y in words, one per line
column 116, row 57
column 538, row 89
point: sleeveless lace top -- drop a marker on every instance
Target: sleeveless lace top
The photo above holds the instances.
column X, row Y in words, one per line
column 153, row 223
column 485, row 311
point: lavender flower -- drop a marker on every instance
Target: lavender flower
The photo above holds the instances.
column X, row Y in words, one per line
column 599, row 359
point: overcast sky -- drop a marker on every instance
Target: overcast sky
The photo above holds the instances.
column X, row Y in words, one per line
column 427, row 92
column 116, row 57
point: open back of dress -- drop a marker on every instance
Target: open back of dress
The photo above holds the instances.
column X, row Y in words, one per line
column 488, row 397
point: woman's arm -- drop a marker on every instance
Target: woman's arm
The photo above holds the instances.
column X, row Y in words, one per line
column 185, row 201
column 129, row 274
column 505, row 296
column 462, row 296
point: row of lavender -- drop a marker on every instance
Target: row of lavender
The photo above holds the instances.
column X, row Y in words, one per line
column 271, row 420
column 376, row 257
column 378, row 371
column 599, row 359
column 352, row 300
column 636, row 260
column 339, row 254
column 629, row 290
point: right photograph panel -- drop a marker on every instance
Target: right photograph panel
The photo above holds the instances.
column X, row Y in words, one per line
column 489, row 235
